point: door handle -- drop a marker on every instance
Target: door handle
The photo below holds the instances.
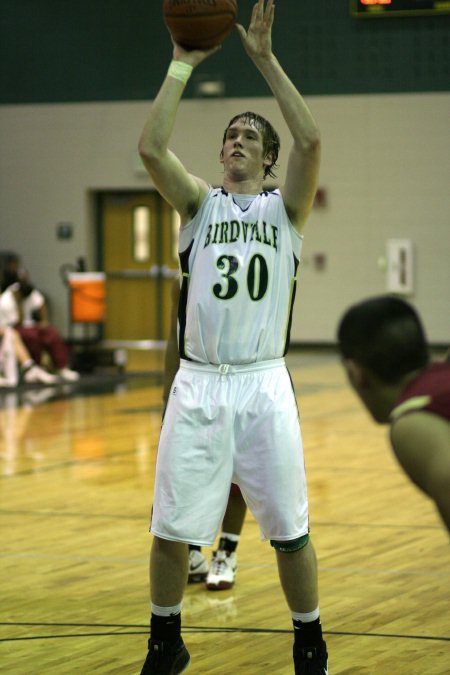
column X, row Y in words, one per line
column 131, row 274
column 153, row 272
column 167, row 272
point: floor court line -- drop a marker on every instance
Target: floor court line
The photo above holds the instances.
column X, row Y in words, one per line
column 207, row 629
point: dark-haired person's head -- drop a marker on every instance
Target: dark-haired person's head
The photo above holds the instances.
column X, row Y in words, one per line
column 384, row 334
column 11, row 271
column 8, row 279
column 382, row 342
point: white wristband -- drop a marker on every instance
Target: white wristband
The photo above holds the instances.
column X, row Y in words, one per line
column 180, row 71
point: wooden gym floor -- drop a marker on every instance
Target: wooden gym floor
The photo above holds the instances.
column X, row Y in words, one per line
column 76, row 477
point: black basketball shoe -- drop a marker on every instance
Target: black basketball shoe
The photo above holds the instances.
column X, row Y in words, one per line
column 166, row 658
column 311, row 660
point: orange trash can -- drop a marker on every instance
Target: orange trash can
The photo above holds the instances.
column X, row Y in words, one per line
column 87, row 300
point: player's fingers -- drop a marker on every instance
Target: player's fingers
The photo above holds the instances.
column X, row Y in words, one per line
column 254, row 16
column 241, row 30
column 269, row 7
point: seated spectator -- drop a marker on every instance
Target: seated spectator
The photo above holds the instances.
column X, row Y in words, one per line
column 23, row 307
column 13, row 353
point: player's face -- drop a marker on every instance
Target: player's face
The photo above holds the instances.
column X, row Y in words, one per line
column 364, row 386
column 242, row 153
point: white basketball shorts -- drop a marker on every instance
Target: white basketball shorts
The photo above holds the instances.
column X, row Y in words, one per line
column 227, row 424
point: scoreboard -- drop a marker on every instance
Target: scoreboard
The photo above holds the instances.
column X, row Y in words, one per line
column 374, row 8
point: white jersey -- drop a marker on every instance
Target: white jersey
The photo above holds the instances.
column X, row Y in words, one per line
column 9, row 309
column 239, row 257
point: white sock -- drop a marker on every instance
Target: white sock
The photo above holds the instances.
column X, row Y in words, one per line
column 306, row 617
column 166, row 611
column 229, row 536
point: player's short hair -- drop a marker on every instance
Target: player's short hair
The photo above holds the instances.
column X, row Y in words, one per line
column 271, row 140
column 10, row 273
column 384, row 334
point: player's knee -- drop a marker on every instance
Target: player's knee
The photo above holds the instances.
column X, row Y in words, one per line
column 290, row 546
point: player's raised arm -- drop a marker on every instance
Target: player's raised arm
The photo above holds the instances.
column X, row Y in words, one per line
column 182, row 190
column 304, row 159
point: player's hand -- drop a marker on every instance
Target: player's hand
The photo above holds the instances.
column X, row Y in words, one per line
column 192, row 56
column 257, row 40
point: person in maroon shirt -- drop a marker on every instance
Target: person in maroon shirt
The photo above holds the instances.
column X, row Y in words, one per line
column 385, row 355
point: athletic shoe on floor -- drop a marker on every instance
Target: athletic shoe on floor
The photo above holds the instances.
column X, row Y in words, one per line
column 37, row 396
column 38, row 374
column 311, row 661
column 68, row 375
column 222, row 574
column 166, row 658
column 198, row 567
column 4, row 382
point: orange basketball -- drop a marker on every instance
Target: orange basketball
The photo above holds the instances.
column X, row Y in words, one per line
column 199, row 24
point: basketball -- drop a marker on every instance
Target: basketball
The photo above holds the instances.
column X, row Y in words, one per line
column 199, row 24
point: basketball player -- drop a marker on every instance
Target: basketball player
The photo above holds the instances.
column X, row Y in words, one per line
column 386, row 358
column 222, row 573
column 231, row 414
